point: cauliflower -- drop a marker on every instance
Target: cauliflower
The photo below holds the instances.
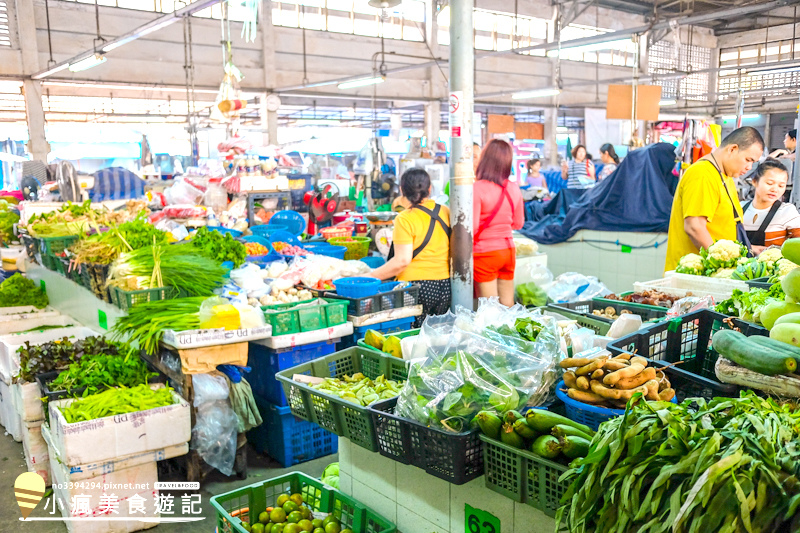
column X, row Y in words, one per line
column 771, row 255
column 724, row 273
column 690, row 264
column 722, row 254
column 783, row 267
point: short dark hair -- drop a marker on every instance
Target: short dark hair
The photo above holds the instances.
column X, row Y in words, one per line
column 792, row 134
column 496, row 161
column 415, row 184
column 744, row 138
column 765, row 166
column 608, row 148
column 532, row 162
column 578, row 147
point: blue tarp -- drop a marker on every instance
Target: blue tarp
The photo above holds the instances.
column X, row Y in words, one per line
column 636, row 197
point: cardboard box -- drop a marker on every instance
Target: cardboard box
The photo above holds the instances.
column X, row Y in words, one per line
column 37, row 456
column 204, row 360
column 112, row 437
column 9, row 344
column 200, row 338
column 27, row 401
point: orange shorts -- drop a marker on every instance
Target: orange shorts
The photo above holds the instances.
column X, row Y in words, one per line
column 498, row 264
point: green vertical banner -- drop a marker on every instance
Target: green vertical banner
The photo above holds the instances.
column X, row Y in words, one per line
column 102, row 319
column 42, row 286
column 477, row 521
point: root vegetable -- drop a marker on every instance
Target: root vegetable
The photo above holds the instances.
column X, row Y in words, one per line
column 598, row 374
column 583, row 383
column 641, row 360
column 573, row 362
column 652, row 390
column 585, row 397
column 569, row 380
column 615, row 394
column 667, row 394
column 634, row 370
column 596, row 364
column 622, row 357
column 636, row 381
column 611, row 365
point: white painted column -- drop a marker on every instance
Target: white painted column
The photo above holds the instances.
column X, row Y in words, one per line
column 269, row 119
column 32, row 90
column 550, row 130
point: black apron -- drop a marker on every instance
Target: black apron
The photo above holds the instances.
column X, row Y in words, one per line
column 759, row 236
column 434, row 214
column 741, row 233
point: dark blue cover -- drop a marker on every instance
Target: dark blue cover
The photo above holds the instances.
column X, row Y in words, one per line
column 636, row 197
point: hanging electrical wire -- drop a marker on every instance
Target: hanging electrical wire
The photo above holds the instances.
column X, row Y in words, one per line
column 191, row 110
column 51, row 61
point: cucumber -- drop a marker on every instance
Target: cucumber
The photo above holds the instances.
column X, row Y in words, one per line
column 546, row 446
column 573, row 446
column 751, row 355
column 543, row 421
column 777, row 345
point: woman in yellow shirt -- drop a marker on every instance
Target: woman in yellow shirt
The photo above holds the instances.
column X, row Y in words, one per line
column 421, row 246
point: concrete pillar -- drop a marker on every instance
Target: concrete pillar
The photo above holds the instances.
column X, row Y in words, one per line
column 269, row 119
column 432, row 123
column 32, row 90
column 550, row 130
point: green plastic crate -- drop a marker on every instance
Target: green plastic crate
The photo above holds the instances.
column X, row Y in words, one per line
column 600, row 327
column 402, row 335
column 311, row 318
column 127, row 299
column 338, row 416
column 242, row 504
column 647, row 312
column 523, row 476
column 55, row 245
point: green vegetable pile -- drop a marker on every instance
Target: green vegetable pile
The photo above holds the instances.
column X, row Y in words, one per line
column 18, row 290
column 219, row 247
column 145, row 323
column 60, row 354
column 726, row 465
column 748, row 305
column 117, row 402
column 530, row 294
column 360, row 389
column 99, row 372
column 103, row 248
column 175, row 266
column 8, row 217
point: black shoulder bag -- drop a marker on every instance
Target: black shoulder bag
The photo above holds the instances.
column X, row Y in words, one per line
column 434, row 214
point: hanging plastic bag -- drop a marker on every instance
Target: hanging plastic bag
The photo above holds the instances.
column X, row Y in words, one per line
column 209, row 388
column 214, row 435
column 574, row 287
column 216, row 312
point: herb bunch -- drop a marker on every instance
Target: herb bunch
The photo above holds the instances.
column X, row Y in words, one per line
column 219, row 247
column 100, row 372
column 145, row 323
column 59, row 354
column 19, row 290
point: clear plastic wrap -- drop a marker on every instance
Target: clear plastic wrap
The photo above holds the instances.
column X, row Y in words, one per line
column 689, row 304
column 209, row 388
column 185, row 211
column 183, row 192
column 214, row 435
column 573, row 287
column 474, row 362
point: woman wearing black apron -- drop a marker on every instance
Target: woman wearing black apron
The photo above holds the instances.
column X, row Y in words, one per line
column 768, row 221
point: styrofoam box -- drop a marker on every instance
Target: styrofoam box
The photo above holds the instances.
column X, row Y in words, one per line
column 27, row 401
column 37, row 456
column 124, row 483
column 32, row 321
column 199, row 338
column 23, row 309
column 116, row 436
column 307, row 337
column 9, row 344
column 9, row 418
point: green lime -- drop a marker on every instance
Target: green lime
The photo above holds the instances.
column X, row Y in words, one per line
column 263, row 517
column 333, row 527
column 317, row 522
column 328, row 519
column 283, row 498
column 306, row 525
column 278, row 515
column 289, row 507
column 306, row 512
column 348, row 530
column 294, row 517
column 246, row 526
column 297, row 499
column 318, row 530
column 257, row 528
column 277, row 528
column 292, row 528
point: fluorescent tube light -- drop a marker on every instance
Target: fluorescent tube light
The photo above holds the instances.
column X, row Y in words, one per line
column 139, row 34
column 317, row 122
column 361, row 82
column 773, row 71
column 667, row 102
column 589, row 47
column 53, row 70
column 744, row 117
column 87, row 62
column 538, row 93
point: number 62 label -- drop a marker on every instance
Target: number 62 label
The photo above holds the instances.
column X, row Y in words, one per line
column 477, row 521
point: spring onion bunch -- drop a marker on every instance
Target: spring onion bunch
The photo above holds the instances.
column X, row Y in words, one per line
column 177, row 266
column 145, row 323
column 104, row 247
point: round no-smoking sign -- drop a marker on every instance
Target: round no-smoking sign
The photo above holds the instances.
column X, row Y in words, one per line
column 455, row 103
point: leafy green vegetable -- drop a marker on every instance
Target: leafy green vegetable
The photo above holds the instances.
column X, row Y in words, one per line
column 145, row 323
column 99, row 372
column 104, row 247
column 18, row 290
column 8, row 218
column 59, row 354
column 748, row 305
column 724, row 465
column 215, row 245
column 530, row 294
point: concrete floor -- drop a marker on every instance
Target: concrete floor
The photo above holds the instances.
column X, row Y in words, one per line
column 260, row 468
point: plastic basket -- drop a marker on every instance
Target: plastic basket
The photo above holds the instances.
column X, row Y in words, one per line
column 70, row 270
column 600, row 327
column 391, row 326
column 326, row 250
column 400, row 335
column 759, row 283
column 49, row 262
column 374, row 261
column 523, row 476
column 294, row 318
column 266, row 362
column 292, row 220
column 232, row 232
column 284, row 236
column 264, row 230
column 127, row 299
column 682, row 285
column 390, row 295
column 263, row 241
column 588, row 307
column 55, row 245
column 454, row 457
column 357, row 287
column 248, row 502
column 94, row 277
column 288, row 439
column 687, row 339
column 336, row 231
column 31, row 245
column 631, row 305
column 357, row 247
column 346, row 419
column 583, row 413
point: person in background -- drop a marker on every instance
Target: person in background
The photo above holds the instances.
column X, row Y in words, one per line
column 768, row 221
column 497, row 210
column 579, row 172
column 706, row 205
column 535, row 177
column 790, row 142
column 476, row 157
column 421, row 246
column 610, row 161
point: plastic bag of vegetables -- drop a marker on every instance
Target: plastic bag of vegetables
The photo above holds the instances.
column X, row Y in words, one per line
column 468, row 373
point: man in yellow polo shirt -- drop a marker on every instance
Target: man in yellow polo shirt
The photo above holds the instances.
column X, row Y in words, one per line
column 706, row 199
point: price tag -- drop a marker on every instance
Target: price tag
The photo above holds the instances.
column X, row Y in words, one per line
column 102, row 319
column 477, row 521
column 42, row 286
column 625, row 249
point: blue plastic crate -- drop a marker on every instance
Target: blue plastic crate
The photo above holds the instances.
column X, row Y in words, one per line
column 265, row 362
column 357, row 287
column 326, row 249
column 265, row 230
column 392, row 326
column 284, row 236
column 374, row 261
column 288, row 439
column 293, row 220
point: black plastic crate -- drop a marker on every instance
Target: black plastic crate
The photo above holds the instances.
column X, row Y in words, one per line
column 587, row 307
column 31, row 245
column 385, row 300
column 453, row 457
column 270, row 201
column 759, row 283
column 686, row 340
column 94, row 277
